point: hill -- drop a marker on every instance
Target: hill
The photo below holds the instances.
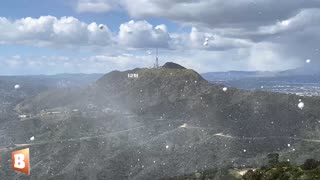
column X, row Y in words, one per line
column 158, row 123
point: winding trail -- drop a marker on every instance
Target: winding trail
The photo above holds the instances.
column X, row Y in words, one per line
column 250, row 138
column 181, row 127
column 76, row 139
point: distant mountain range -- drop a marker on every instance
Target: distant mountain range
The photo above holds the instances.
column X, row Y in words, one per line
column 306, row 70
column 236, row 75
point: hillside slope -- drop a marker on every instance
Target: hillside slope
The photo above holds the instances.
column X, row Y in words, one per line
column 164, row 123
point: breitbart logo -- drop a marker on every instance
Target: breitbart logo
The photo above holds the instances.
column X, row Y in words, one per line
column 20, row 161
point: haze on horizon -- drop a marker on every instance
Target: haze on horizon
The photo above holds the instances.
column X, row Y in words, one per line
column 97, row 36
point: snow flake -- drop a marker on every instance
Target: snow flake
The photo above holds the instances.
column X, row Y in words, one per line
column 32, row 138
column 183, row 125
column 17, row 86
column 289, row 145
column 225, row 89
column 301, row 105
column 244, row 150
column 206, row 42
column 308, row 61
column 167, row 146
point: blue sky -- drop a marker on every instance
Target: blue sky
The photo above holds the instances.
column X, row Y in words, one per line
column 65, row 36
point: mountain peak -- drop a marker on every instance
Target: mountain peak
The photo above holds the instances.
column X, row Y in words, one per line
column 170, row 73
column 171, row 65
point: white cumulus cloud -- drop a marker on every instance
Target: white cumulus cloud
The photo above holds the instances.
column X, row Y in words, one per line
column 141, row 34
column 51, row 31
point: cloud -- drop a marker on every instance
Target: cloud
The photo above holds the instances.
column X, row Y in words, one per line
column 209, row 41
column 270, row 57
column 224, row 35
column 141, row 34
column 218, row 13
column 258, row 57
column 51, row 31
column 24, row 65
column 95, row 6
column 302, row 20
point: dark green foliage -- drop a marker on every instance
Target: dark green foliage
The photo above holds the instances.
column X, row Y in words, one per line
column 273, row 158
column 222, row 174
column 253, row 175
column 286, row 171
column 171, row 65
column 310, row 164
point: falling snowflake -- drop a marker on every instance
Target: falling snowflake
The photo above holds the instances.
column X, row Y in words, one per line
column 149, row 52
column 32, row 138
column 301, row 105
column 262, row 87
column 289, row 145
column 17, row 86
column 308, row 61
column 225, row 89
column 167, row 146
column 244, row 150
column 206, row 42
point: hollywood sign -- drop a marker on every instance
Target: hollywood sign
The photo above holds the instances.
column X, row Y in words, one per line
column 133, row 76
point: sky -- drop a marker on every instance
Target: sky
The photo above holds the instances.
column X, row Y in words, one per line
column 98, row 36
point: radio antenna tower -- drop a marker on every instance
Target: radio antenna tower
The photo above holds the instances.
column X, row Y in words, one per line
column 157, row 59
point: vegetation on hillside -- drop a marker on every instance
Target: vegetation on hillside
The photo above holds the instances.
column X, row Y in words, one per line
column 275, row 170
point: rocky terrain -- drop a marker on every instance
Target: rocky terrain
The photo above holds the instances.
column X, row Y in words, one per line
column 164, row 123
